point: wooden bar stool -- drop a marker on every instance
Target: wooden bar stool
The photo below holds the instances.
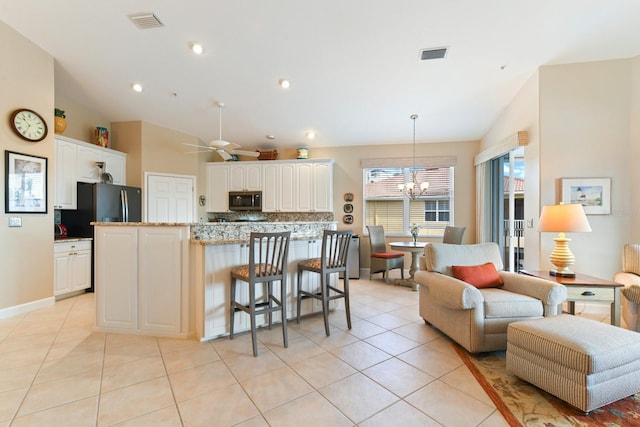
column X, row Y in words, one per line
column 334, row 259
column 267, row 263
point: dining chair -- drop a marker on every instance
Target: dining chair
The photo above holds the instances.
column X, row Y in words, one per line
column 382, row 261
column 453, row 235
column 333, row 259
column 268, row 254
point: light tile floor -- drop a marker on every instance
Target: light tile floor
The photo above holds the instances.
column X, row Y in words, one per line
column 389, row 369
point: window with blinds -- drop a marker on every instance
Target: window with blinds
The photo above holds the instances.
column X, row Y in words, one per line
column 384, row 203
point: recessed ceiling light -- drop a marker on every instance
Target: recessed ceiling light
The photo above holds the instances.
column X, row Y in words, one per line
column 137, row 87
column 271, row 137
column 197, row 48
column 310, row 135
column 284, row 83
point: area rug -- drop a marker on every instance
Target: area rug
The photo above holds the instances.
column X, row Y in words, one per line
column 523, row 404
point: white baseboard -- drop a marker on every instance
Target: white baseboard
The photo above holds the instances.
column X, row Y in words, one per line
column 27, row 307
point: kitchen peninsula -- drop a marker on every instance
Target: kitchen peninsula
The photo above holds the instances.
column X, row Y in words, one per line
column 172, row 279
column 218, row 247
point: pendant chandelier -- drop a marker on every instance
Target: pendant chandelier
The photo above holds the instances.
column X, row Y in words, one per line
column 414, row 188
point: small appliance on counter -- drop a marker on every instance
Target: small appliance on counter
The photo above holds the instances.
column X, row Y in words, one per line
column 60, row 231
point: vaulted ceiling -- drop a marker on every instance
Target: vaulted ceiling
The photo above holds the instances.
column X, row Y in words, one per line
column 353, row 65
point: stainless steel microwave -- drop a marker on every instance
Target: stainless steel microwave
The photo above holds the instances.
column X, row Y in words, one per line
column 245, row 200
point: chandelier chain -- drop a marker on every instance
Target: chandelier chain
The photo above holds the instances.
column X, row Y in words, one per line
column 414, row 189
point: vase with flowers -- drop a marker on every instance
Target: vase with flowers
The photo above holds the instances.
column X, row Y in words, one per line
column 414, row 229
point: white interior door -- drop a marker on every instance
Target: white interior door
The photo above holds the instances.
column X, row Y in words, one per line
column 170, row 198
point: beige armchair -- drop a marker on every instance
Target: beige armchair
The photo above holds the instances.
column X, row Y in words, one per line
column 630, row 278
column 477, row 318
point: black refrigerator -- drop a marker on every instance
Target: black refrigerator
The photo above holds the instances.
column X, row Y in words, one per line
column 102, row 203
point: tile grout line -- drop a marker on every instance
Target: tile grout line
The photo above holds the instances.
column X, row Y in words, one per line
column 166, row 372
column 44, row 358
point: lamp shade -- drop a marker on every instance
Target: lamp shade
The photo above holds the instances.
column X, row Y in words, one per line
column 562, row 218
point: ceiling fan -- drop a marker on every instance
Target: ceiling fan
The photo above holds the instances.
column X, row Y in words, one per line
column 225, row 149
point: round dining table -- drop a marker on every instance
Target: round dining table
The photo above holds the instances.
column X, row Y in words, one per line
column 415, row 248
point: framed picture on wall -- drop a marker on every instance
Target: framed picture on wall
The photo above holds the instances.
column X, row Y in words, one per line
column 25, row 180
column 594, row 194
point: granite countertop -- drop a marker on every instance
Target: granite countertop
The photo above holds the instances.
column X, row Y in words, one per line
column 148, row 224
column 230, row 241
column 70, row 239
column 237, row 232
column 216, row 233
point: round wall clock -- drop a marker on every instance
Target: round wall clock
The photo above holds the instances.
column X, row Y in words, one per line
column 28, row 125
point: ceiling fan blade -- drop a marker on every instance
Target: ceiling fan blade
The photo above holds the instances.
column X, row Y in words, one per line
column 226, row 145
column 245, row 153
column 196, row 152
column 197, row 146
column 225, row 156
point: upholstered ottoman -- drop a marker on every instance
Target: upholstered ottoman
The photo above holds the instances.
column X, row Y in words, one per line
column 587, row 364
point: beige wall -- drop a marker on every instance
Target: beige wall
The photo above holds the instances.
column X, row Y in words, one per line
column 634, row 153
column 153, row 148
column 26, row 253
column 81, row 120
column 583, row 122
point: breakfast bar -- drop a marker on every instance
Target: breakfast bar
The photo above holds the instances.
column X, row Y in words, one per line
column 218, row 247
column 172, row 279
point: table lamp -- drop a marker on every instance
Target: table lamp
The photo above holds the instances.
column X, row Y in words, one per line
column 562, row 219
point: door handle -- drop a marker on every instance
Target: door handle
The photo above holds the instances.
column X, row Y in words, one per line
column 587, row 294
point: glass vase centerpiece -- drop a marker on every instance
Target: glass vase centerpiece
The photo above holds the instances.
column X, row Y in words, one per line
column 414, row 229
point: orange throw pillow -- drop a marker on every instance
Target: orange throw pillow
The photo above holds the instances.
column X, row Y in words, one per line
column 480, row 276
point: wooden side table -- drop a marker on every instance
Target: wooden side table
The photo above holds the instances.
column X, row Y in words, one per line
column 415, row 248
column 586, row 289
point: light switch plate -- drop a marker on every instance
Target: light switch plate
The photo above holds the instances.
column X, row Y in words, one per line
column 15, row 221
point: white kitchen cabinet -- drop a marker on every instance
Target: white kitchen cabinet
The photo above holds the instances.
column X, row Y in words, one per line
column 87, row 169
column 217, row 187
column 287, row 186
column 76, row 161
column 278, row 194
column 65, row 189
column 314, row 182
column 115, row 163
column 162, row 266
column 116, row 278
column 322, row 187
column 245, row 176
column 142, row 279
column 71, row 267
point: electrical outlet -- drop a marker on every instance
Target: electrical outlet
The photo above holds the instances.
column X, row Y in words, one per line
column 15, row 221
column 530, row 223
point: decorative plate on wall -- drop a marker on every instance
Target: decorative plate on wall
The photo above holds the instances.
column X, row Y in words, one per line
column 347, row 219
column 348, row 208
column 348, row 197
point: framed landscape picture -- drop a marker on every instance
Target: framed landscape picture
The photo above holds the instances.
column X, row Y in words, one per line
column 25, row 183
column 594, row 194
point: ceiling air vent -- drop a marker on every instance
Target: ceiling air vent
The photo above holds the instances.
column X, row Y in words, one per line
column 146, row 21
column 433, row 53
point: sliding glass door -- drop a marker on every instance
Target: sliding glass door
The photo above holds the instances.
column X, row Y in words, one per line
column 507, row 207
